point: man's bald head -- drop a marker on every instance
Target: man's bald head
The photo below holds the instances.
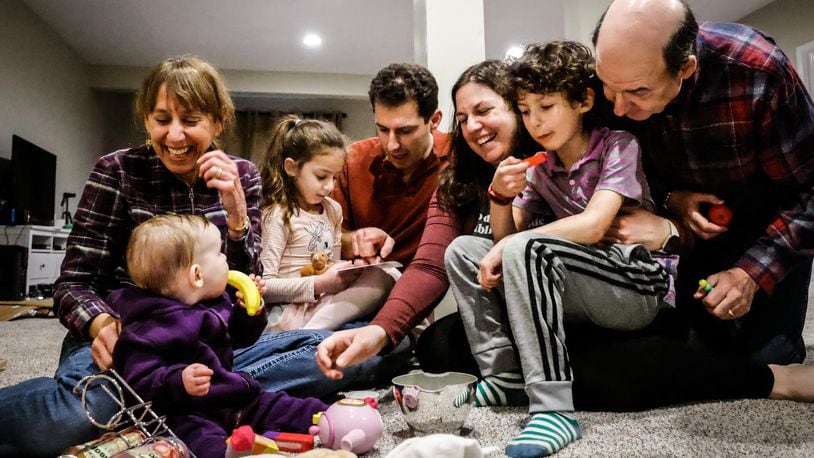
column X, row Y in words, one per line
column 645, row 49
column 646, row 28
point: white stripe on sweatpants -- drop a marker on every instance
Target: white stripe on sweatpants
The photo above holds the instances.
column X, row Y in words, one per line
column 546, row 260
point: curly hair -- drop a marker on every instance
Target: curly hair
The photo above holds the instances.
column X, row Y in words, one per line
column 300, row 140
column 463, row 183
column 557, row 67
column 398, row 84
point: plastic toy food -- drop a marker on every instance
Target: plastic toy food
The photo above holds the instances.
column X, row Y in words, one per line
column 537, row 159
column 291, row 442
column 350, row 424
column 244, row 442
column 246, row 286
column 720, row 214
column 241, row 442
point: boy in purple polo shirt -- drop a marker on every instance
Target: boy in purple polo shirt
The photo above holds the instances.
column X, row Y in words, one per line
column 560, row 271
column 178, row 332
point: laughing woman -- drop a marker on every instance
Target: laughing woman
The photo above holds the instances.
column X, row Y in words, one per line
column 184, row 106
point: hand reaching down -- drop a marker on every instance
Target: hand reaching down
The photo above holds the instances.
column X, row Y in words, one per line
column 371, row 244
column 731, row 294
column 105, row 332
column 490, row 268
column 349, row 347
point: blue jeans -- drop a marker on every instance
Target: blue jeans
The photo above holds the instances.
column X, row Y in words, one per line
column 284, row 361
column 42, row 416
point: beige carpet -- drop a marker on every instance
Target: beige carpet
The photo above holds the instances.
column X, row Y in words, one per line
column 738, row 428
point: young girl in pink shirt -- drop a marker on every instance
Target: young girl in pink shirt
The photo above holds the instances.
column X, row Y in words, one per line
column 301, row 224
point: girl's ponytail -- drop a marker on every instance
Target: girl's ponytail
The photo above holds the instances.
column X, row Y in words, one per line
column 300, row 140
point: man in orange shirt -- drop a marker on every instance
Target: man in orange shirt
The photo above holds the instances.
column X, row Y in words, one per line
column 386, row 184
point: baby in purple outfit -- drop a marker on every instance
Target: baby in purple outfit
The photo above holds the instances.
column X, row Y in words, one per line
column 179, row 329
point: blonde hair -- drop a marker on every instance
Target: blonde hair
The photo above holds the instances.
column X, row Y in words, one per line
column 301, row 140
column 193, row 82
column 161, row 247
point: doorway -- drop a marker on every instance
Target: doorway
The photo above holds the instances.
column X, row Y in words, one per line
column 805, row 65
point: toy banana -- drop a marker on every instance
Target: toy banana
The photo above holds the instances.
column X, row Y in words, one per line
column 246, row 286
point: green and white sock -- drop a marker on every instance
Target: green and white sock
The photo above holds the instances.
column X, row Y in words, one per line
column 504, row 389
column 546, row 434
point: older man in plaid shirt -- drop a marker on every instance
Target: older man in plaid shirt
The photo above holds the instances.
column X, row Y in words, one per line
column 722, row 118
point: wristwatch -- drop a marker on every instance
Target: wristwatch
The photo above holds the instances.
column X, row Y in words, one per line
column 672, row 244
column 242, row 229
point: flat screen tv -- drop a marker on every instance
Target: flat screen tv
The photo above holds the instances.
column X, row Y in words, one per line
column 33, row 183
column 5, row 189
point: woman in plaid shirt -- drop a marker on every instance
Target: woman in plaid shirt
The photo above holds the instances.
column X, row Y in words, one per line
column 185, row 106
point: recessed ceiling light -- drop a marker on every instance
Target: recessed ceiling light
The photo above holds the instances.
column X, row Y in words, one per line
column 514, row 52
column 312, row 40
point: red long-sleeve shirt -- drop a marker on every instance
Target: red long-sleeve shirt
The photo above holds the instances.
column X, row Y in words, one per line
column 424, row 281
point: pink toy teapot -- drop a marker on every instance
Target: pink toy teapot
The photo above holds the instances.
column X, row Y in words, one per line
column 350, row 424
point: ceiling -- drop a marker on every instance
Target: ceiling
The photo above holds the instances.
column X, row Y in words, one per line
column 359, row 36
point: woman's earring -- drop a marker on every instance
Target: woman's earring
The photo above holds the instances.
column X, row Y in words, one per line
column 148, row 143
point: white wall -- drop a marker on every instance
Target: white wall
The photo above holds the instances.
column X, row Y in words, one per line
column 789, row 22
column 583, row 16
column 45, row 97
column 520, row 22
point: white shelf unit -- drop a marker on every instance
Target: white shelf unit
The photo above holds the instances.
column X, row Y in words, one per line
column 45, row 247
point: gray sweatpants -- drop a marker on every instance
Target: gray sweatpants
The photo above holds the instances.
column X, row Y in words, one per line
column 546, row 281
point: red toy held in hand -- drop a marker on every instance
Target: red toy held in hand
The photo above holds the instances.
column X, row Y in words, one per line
column 720, row 214
column 537, row 159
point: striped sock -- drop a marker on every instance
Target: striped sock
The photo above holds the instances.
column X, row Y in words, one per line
column 461, row 399
column 504, row 389
column 546, row 434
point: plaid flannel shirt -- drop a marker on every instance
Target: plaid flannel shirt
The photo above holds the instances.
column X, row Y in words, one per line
column 124, row 189
column 743, row 129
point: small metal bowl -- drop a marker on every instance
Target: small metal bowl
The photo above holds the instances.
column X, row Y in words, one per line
column 435, row 403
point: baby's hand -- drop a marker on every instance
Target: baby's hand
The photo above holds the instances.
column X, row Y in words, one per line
column 196, row 378
column 261, row 286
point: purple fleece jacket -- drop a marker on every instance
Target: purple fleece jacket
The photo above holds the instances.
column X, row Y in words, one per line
column 161, row 336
